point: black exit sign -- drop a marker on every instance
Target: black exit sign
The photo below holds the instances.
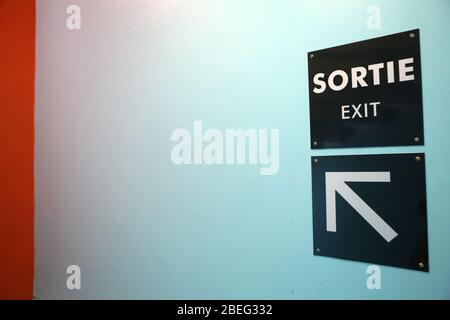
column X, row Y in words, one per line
column 367, row 93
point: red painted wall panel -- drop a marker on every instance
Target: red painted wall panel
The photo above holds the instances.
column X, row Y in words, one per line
column 17, row 63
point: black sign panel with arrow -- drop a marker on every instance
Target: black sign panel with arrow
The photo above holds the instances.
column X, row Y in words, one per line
column 367, row 93
column 371, row 208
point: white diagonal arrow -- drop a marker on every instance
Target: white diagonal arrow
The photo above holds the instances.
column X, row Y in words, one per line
column 336, row 182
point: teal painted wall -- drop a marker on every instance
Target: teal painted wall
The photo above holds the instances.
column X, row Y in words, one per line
column 109, row 199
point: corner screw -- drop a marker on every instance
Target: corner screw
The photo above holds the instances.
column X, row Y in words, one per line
column 315, row 143
column 318, row 250
column 311, row 55
column 416, row 139
column 421, row 265
column 411, row 35
column 418, row 158
column 316, row 160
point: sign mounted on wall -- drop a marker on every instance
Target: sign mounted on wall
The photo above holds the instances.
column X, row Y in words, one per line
column 371, row 208
column 367, row 93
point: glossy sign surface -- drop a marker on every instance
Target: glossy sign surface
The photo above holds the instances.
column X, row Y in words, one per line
column 367, row 93
column 371, row 208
